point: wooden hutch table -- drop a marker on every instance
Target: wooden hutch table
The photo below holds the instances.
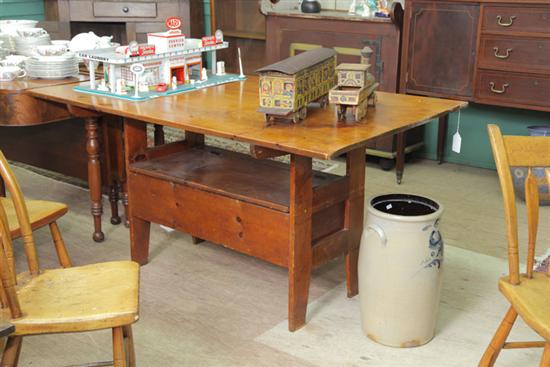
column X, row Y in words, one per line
column 286, row 214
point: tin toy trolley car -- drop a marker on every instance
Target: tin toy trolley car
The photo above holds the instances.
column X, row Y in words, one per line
column 288, row 86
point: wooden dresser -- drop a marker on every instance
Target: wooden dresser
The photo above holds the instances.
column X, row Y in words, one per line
column 487, row 51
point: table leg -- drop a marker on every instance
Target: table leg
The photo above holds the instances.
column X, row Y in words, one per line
column 400, row 157
column 355, row 171
column 441, row 135
column 300, row 253
column 94, row 175
column 135, row 142
column 159, row 135
column 110, row 147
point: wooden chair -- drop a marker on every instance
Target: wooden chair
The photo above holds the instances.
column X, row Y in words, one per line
column 66, row 300
column 527, row 293
column 25, row 216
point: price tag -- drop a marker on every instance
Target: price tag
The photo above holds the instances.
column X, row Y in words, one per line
column 457, row 139
column 457, row 142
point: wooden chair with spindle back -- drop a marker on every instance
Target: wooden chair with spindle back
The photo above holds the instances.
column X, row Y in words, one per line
column 67, row 300
column 25, row 216
column 527, row 293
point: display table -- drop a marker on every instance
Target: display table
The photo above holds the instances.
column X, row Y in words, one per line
column 286, row 214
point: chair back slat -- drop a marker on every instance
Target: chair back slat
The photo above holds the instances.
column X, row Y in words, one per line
column 22, row 214
column 532, row 203
column 520, row 151
column 8, row 279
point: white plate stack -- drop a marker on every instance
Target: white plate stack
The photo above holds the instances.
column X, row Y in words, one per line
column 25, row 45
column 6, row 43
column 52, row 67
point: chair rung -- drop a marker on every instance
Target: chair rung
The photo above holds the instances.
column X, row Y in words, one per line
column 519, row 345
column 93, row 364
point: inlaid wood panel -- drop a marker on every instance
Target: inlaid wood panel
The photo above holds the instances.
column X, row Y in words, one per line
column 441, row 48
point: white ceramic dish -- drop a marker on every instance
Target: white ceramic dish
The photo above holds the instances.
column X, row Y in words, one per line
column 10, row 27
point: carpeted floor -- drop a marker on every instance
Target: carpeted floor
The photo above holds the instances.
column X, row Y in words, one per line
column 204, row 305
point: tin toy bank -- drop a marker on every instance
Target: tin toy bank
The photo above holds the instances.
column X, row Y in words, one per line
column 355, row 90
column 288, row 86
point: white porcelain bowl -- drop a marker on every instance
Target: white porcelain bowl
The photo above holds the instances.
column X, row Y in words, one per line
column 11, row 26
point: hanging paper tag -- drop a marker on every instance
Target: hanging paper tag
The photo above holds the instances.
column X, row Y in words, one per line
column 457, row 142
column 457, row 139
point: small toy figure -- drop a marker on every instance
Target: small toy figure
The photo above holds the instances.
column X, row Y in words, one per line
column 204, row 75
column 382, row 9
column 120, row 86
column 103, row 86
column 174, row 83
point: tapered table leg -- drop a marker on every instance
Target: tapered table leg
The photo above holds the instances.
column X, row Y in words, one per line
column 400, row 157
column 441, row 135
column 355, row 171
column 135, row 141
column 94, row 175
column 300, row 252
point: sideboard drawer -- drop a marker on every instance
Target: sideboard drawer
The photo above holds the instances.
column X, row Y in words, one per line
column 505, row 87
column 515, row 54
column 516, row 19
column 125, row 9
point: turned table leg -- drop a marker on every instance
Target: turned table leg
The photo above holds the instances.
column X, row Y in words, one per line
column 94, row 175
column 300, row 252
column 441, row 135
column 110, row 146
column 355, row 171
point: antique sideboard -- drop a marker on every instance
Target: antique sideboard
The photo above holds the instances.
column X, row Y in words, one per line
column 486, row 51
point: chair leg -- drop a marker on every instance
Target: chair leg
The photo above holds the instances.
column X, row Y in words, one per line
column 10, row 357
column 494, row 348
column 119, row 356
column 545, row 361
column 129, row 344
column 62, row 253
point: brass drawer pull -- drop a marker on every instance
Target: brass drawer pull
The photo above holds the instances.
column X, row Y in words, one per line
column 505, row 56
column 509, row 24
column 499, row 91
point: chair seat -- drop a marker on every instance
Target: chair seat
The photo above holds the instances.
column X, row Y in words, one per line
column 83, row 298
column 531, row 300
column 41, row 213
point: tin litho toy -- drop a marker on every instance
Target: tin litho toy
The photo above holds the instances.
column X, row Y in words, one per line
column 288, row 86
column 355, row 90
